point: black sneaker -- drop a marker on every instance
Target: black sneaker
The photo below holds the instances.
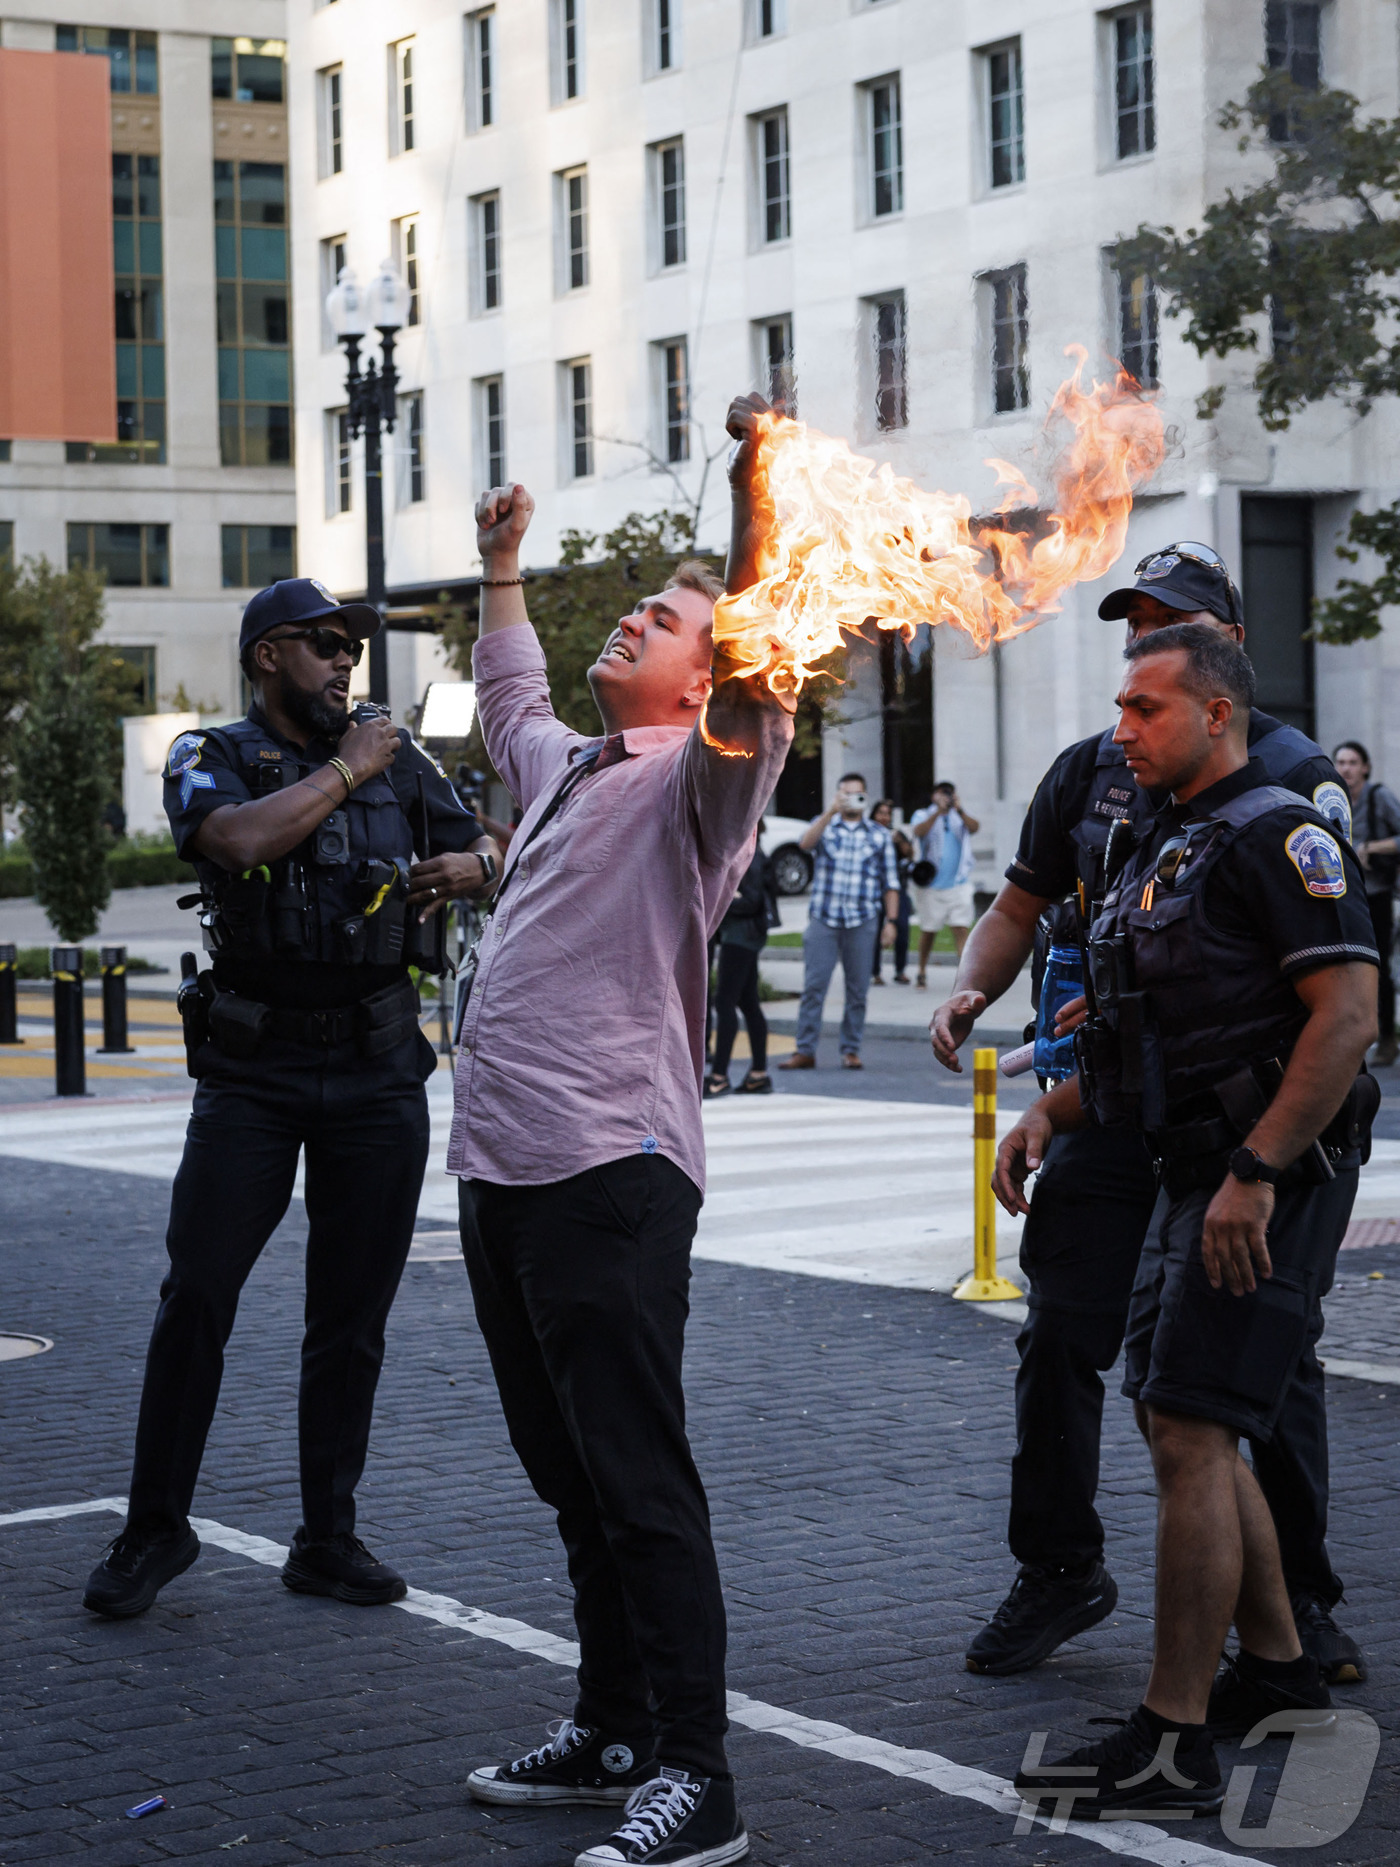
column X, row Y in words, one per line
column 1337, row 1654
column 137, row 1565
column 1131, row 1776
column 1045, row 1608
column 341, row 1567
column 1241, row 1696
column 576, row 1765
column 675, row 1820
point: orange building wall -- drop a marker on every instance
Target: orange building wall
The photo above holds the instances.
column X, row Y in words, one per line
column 58, row 368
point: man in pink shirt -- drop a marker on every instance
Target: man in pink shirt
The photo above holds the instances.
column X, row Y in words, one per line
column 578, row 1143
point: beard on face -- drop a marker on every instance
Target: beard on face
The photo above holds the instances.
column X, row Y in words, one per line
column 313, row 710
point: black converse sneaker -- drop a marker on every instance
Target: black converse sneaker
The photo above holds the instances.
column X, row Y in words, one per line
column 1138, row 1774
column 1045, row 1608
column 576, row 1765
column 675, row 1820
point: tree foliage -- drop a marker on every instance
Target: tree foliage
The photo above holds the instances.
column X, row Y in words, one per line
column 61, row 700
column 575, row 607
column 1310, row 255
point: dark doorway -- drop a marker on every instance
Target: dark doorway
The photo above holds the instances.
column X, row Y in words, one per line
column 906, row 699
column 1277, row 541
column 799, row 791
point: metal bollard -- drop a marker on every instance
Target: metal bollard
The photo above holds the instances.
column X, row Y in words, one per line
column 114, row 1003
column 9, row 1026
column 984, row 1286
column 70, row 1062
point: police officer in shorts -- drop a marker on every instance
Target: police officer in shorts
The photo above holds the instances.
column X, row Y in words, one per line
column 303, row 828
column 1094, row 1195
column 1234, row 973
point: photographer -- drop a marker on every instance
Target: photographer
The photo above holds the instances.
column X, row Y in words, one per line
column 578, row 1141
column 302, row 828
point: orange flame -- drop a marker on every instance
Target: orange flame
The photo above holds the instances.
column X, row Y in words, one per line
column 848, row 542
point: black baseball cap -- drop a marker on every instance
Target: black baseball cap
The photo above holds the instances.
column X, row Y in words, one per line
column 303, row 599
column 1184, row 576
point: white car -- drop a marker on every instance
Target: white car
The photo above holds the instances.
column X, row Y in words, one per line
column 792, row 867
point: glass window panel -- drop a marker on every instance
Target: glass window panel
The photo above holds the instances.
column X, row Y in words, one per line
column 79, row 544
column 126, row 311
column 231, row 542
column 149, row 248
column 116, row 549
column 158, row 556
column 228, row 375
column 262, row 192
column 147, row 70
column 221, row 70
column 223, row 191
column 227, row 313
column 148, row 187
column 153, row 370
column 123, row 175
column 266, row 375
column 1008, row 146
column 230, row 435
column 264, row 314
column 128, row 376
column 153, row 429
column 264, row 253
column 259, row 79
column 152, row 312
column 123, row 246
column 226, row 252
column 271, row 553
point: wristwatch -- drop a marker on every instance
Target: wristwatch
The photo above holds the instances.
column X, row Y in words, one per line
column 1246, row 1165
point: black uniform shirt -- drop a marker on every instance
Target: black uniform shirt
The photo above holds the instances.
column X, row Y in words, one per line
column 1045, row 862
column 1283, row 881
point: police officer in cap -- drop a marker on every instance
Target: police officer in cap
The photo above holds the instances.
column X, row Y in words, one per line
column 1095, row 1192
column 1233, row 970
column 303, row 829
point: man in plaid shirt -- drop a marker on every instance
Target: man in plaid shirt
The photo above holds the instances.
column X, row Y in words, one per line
column 855, row 868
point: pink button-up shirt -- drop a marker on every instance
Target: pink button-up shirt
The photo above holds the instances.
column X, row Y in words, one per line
column 584, row 1038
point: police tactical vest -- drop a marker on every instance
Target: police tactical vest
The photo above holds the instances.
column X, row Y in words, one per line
column 340, row 897
column 1183, row 1005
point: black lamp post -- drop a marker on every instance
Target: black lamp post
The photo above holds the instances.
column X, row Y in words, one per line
column 370, row 406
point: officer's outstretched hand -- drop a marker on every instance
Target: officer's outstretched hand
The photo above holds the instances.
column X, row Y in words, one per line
column 1020, row 1155
column 1234, row 1239
column 369, row 747
column 951, row 1026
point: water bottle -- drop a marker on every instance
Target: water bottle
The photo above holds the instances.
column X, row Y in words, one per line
column 1064, row 980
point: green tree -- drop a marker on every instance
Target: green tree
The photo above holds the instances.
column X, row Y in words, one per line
column 1310, row 254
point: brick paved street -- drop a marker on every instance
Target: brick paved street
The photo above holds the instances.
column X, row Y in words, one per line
column 855, row 1440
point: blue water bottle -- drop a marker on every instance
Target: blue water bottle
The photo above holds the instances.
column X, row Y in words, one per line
column 1064, row 980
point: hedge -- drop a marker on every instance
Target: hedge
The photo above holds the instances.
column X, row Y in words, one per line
column 129, row 865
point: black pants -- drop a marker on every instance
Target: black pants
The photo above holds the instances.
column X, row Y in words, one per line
column 901, row 939
column 1383, row 920
column 582, row 1293
column 736, row 990
column 1080, row 1248
column 364, row 1127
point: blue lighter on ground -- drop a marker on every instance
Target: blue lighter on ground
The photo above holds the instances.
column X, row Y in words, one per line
column 146, row 1808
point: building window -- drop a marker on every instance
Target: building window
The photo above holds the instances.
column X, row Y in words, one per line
column 1010, row 340
column 249, row 71
column 671, row 378
column 767, row 19
column 331, row 148
column 777, row 379
column 481, row 72
column 665, row 38
column 565, row 50
column 255, row 372
column 129, row 556
column 7, row 530
column 131, row 56
column 485, row 230
column 1292, row 43
column 256, row 555
column 889, row 359
column 412, row 474
column 1137, row 328
column 577, row 389
column 883, row 134
column 332, row 265
column 139, row 316
column 340, row 478
column 489, row 407
column 142, row 663
column 1006, row 115
column 401, row 98
column 405, row 250
column 1134, row 84
column 668, row 202
column 773, row 175
column 571, row 195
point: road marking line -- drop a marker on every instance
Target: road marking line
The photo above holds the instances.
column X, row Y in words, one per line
column 1384, row 1372
column 1130, row 1840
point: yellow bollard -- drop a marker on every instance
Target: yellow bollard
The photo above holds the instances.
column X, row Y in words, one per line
column 984, row 1286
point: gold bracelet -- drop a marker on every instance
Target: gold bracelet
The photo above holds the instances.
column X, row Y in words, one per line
column 338, row 764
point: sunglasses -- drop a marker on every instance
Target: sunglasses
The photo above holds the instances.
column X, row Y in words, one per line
column 326, row 644
column 1198, row 554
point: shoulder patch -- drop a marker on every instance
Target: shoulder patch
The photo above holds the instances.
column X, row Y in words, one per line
column 1330, row 800
column 1316, row 857
column 184, row 754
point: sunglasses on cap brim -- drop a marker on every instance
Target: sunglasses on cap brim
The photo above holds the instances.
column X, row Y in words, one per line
column 326, row 644
column 1198, row 554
